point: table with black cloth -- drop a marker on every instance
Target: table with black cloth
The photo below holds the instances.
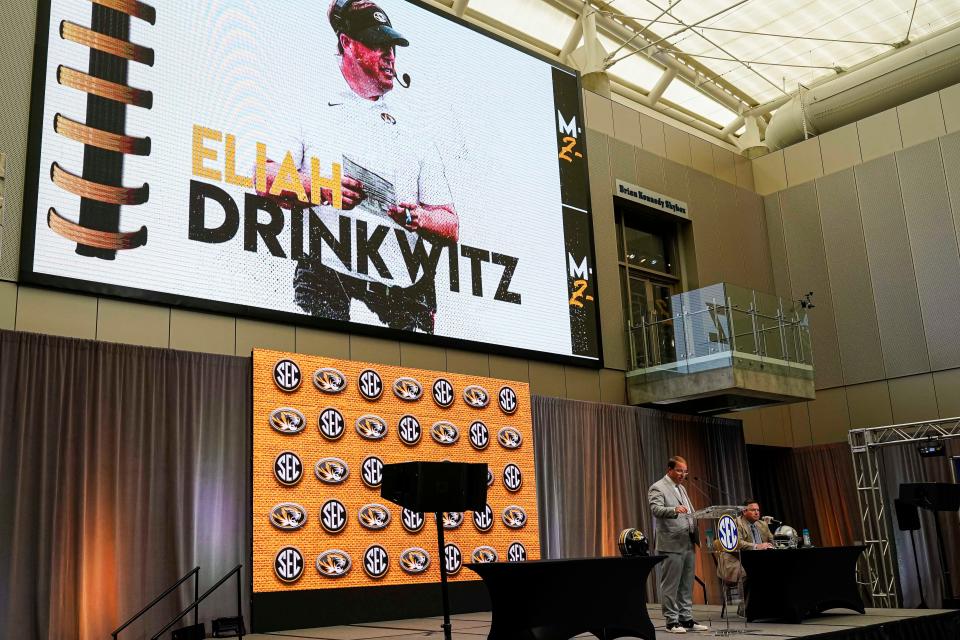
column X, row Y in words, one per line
column 792, row 584
column 547, row 599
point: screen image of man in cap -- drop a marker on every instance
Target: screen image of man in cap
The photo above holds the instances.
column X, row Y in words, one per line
column 393, row 186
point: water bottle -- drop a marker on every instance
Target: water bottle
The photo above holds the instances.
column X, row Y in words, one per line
column 806, row 538
column 710, row 539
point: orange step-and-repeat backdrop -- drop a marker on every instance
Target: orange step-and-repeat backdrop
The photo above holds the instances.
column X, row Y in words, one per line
column 323, row 428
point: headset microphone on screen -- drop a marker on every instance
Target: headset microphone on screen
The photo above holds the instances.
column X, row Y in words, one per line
column 403, row 79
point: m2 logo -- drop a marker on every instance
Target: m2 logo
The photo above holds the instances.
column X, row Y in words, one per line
column 580, row 272
column 568, row 149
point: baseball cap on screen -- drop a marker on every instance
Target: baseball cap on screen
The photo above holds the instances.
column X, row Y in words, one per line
column 364, row 21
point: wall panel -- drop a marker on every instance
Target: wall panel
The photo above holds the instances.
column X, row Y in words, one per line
column 879, row 135
column 846, row 252
column 950, row 149
column 133, row 323
column 891, row 269
column 723, row 166
column 778, row 248
column 623, row 163
column 869, row 405
column 205, row 332
column 808, row 272
column 701, row 155
column 913, row 399
column 829, row 418
column 56, row 312
column 803, row 161
column 8, row 305
column 676, row 177
column 703, row 213
column 770, row 173
column 626, row 124
column 840, row 149
column 752, row 231
column 730, row 235
column 267, row 335
column 946, row 385
column 678, row 145
column 370, row 349
column 320, row 342
column 582, row 384
column 933, row 241
column 510, row 368
column 921, row 120
column 423, row 356
column 468, row 362
column 649, row 171
column 653, row 140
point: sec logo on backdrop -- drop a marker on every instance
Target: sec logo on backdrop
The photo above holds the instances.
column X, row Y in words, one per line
column 370, row 384
column 443, row 392
column 508, row 400
column 333, row 516
column 517, row 552
column 376, row 561
column 287, row 468
column 483, row 520
column 288, row 564
column 512, row 478
column 453, row 558
column 371, row 470
column 331, row 424
column 286, row 375
column 412, row 520
column 409, row 430
column 479, row 436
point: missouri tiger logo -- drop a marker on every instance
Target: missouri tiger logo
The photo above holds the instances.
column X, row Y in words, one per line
column 509, row 438
column 286, row 375
column 288, row 564
column 287, row 421
column 407, row 389
column 483, row 520
column 479, row 436
column 373, row 516
column 333, row 516
column 476, row 396
column 371, row 384
column 452, row 519
column 508, row 400
column 512, row 477
column 443, row 392
column 409, row 430
column 331, row 424
column 331, row 470
column 371, row 470
column 329, row 380
column 516, row 552
column 287, row 468
column 412, row 521
column 484, row 554
column 489, row 477
column 288, row 516
column 452, row 558
column 371, row 427
column 376, row 561
column 334, row 563
column 514, row 517
column 444, row 432
column 414, row 560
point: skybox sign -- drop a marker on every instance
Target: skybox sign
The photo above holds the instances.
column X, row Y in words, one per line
column 651, row 199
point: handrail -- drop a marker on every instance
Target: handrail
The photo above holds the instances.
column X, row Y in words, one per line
column 196, row 602
column 196, row 589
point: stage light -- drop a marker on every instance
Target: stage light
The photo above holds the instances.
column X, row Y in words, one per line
column 930, row 449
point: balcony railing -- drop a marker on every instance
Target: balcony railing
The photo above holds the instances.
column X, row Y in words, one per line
column 712, row 327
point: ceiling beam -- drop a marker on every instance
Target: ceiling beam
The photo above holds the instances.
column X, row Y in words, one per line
column 662, row 83
column 460, row 7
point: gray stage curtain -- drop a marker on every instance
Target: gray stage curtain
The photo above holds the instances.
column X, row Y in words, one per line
column 899, row 464
column 120, row 469
column 596, row 461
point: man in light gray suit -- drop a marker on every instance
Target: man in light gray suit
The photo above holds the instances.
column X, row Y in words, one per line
column 676, row 536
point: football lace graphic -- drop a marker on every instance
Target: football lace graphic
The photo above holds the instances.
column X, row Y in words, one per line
column 288, row 516
column 414, row 560
column 329, row 380
column 514, row 517
column 331, row 470
column 287, row 420
column 509, row 438
column 334, row 563
column 371, row 427
column 407, row 389
column 476, row 396
column 484, row 554
column 444, row 432
column 373, row 516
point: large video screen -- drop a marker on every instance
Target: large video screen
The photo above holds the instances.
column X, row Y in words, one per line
column 315, row 161
column 322, row 431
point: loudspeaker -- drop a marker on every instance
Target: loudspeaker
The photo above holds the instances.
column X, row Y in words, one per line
column 429, row 487
column 908, row 517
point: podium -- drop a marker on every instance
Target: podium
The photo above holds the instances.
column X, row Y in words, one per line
column 729, row 544
column 435, row 487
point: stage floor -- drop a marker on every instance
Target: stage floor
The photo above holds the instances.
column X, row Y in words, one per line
column 473, row 626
